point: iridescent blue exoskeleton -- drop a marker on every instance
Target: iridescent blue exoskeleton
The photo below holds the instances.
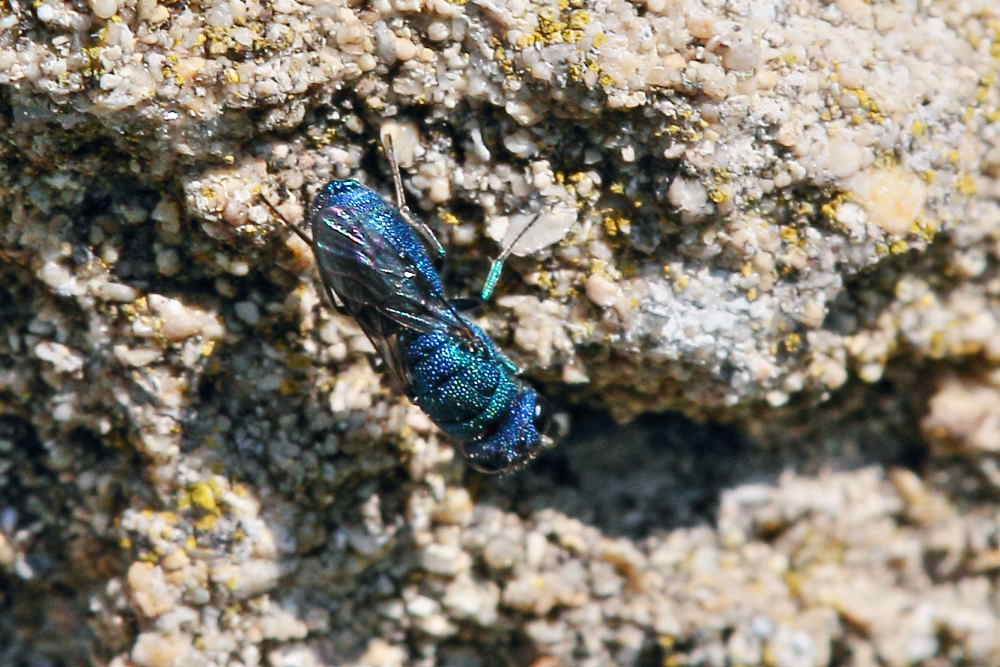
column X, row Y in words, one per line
column 375, row 269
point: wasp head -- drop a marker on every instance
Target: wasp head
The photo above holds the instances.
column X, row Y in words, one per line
column 518, row 439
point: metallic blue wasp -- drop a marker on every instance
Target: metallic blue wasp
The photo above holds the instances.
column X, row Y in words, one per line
column 375, row 269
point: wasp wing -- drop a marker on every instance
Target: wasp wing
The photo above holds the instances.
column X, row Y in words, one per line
column 378, row 284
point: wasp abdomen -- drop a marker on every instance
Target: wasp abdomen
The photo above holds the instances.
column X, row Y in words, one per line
column 465, row 392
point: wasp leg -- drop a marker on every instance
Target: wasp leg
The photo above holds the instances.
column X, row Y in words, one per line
column 278, row 214
column 334, row 299
column 466, row 304
column 401, row 206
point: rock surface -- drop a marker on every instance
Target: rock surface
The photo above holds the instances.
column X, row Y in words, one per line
column 780, row 216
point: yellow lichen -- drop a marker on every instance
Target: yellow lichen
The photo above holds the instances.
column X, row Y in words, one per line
column 789, row 234
column 207, row 522
column 718, row 196
column 966, row 185
column 614, row 224
column 203, row 496
column 579, row 20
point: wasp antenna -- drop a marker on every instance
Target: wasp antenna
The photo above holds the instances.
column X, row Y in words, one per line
column 496, row 268
column 278, row 214
column 397, row 181
column 404, row 210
